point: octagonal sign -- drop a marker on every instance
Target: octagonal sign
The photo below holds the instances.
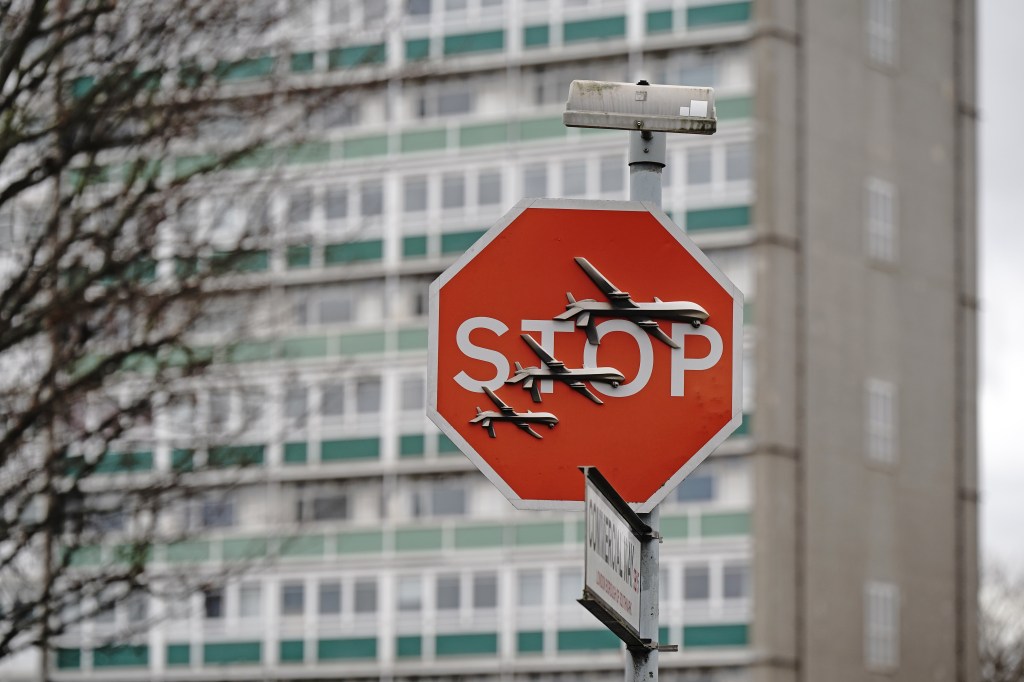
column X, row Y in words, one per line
column 585, row 333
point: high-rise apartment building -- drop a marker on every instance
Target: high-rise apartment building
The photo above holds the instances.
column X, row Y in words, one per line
column 831, row 538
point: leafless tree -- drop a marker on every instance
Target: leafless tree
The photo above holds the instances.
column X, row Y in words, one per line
column 114, row 118
column 1001, row 627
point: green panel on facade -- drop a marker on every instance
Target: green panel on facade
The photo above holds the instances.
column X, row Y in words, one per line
column 486, row 41
column 349, row 448
column 190, row 551
column 530, row 642
column 416, row 49
column 296, row 453
column 365, row 342
column 586, row 640
column 235, row 456
column 418, row 539
column 411, row 445
column 737, row 523
column 302, row 546
column 594, row 29
column 445, row 446
column 409, row 646
column 335, row 649
column 457, row 242
column 540, row 533
column 179, row 654
column 121, row 657
column 360, row 542
column 361, row 147
column 69, row 659
column 303, row 62
column 119, row 462
column 727, row 217
column 663, row 635
column 308, row 152
column 228, row 653
column 357, row 55
column 251, row 351
column 541, row 128
column 675, row 526
column 134, row 554
column 744, row 428
column 536, row 36
column 659, row 22
column 423, row 140
column 484, row 133
column 476, row 644
column 734, row 107
column 412, row 339
column 721, row 13
column 182, row 459
column 312, row 347
column 292, row 651
column 414, row 247
column 474, row 537
column 695, row 636
column 86, row 556
column 299, row 256
column 353, row 252
column 246, row 69
column 243, row 548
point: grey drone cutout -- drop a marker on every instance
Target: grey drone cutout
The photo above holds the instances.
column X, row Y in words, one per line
column 557, row 371
column 506, row 414
column 621, row 305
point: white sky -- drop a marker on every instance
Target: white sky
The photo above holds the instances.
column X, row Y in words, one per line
column 1001, row 196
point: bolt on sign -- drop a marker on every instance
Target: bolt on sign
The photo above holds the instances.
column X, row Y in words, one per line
column 585, row 333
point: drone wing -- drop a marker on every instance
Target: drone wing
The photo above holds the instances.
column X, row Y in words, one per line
column 499, row 403
column 553, row 364
column 618, row 299
column 652, row 328
column 582, row 389
column 526, row 427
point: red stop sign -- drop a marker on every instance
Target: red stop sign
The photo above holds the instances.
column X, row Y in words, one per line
column 585, row 333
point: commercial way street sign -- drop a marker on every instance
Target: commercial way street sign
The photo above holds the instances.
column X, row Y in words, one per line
column 585, row 333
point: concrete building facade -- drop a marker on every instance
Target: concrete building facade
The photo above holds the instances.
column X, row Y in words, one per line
column 831, row 538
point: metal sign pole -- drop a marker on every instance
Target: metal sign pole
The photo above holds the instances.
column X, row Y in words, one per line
column 646, row 160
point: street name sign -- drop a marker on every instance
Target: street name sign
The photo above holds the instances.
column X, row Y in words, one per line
column 585, row 333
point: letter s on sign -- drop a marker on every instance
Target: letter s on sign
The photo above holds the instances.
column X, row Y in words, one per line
column 475, row 352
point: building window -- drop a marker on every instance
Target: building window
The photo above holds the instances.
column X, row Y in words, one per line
column 489, row 188
column 332, row 399
column 249, row 600
column 535, row 180
column 137, row 607
column 881, row 625
column 417, row 8
column 413, row 393
column 329, row 598
column 880, row 213
column 440, row 498
column 698, row 166
column 371, row 198
column 697, row 487
column 410, row 593
column 880, row 420
column 366, row 595
column 696, row 583
column 220, row 409
column 612, row 174
column 453, row 191
column 735, row 581
column 881, row 31
column 293, row 599
column 454, row 99
column 336, row 203
column 368, row 391
column 218, row 511
column 414, row 194
column 574, row 178
column 570, row 585
column 485, row 591
column 335, row 309
column 295, row 405
column 213, row 603
column 531, row 588
column 447, row 594
column 738, row 162
column 300, row 206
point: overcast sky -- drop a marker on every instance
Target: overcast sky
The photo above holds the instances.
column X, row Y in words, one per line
column 1001, row 194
